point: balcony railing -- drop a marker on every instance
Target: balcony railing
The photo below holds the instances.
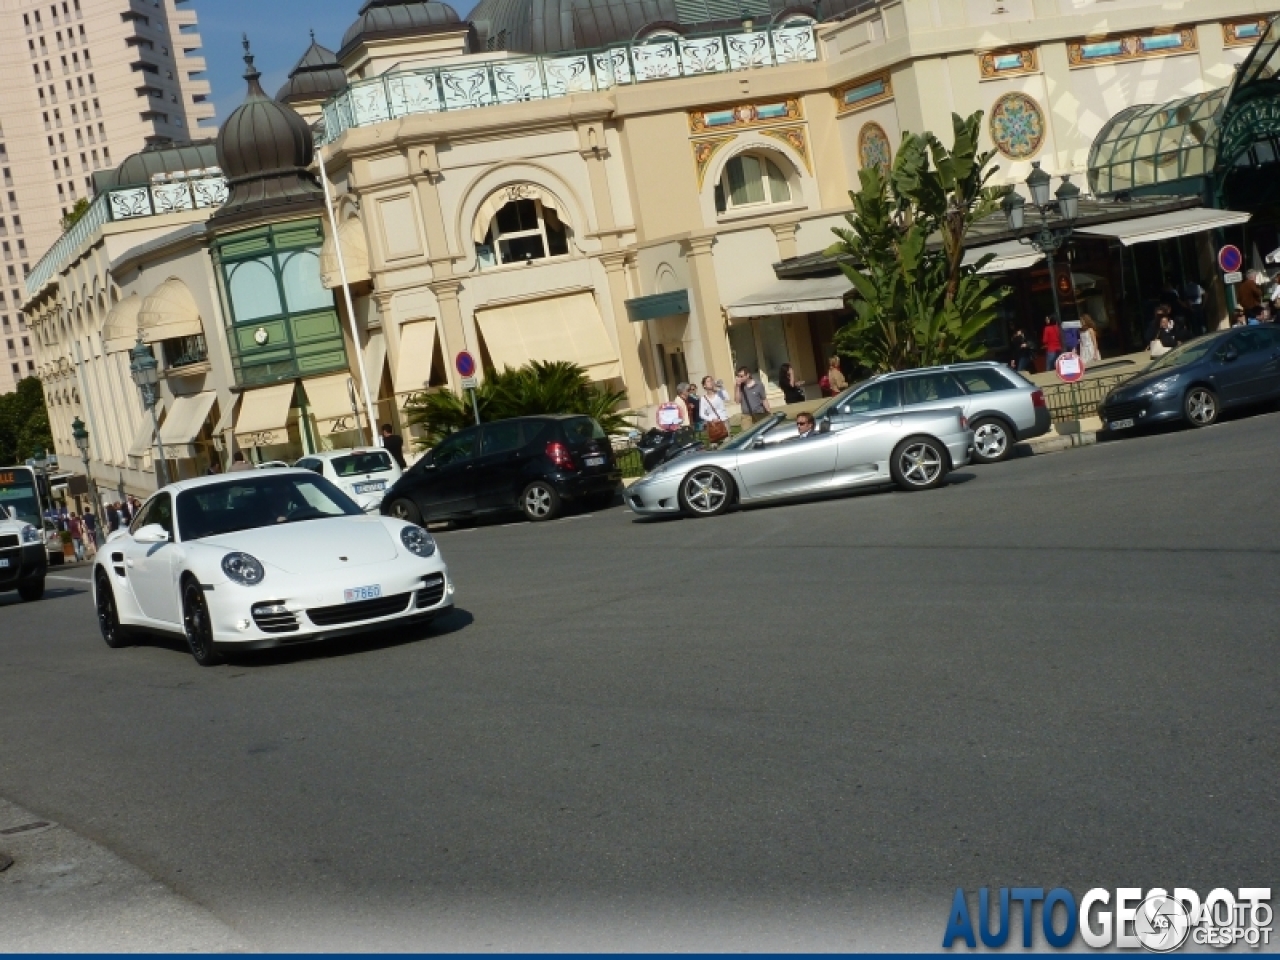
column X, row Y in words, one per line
column 128, row 203
column 439, row 89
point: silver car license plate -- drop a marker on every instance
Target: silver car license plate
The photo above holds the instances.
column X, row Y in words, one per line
column 1120, row 424
column 593, row 461
column 356, row 594
column 373, row 486
column 4, row 561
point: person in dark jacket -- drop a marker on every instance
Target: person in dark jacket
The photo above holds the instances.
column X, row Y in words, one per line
column 789, row 385
column 393, row 443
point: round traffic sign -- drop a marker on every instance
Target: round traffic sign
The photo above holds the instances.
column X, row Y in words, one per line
column 1230, row 259
column 465, row 363
column 1070, row 367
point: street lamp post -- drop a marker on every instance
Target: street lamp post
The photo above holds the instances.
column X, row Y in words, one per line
column 1047, row 239
column 145, row 373
column 81, row 437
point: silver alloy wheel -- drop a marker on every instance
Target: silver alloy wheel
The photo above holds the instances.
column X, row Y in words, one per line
column 1202, row 407
column 990, row 440
column 537, row 502
column 399, row 510
column 920, row 464
column 705, row 491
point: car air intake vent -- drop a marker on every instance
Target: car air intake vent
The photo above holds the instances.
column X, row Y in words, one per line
column 1124, row 410
column 360, row 610
column 9, row 540
column 431, row 591
column 274, row 618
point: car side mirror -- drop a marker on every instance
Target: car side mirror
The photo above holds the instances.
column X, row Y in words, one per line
column 824, row 425
column 759, row 443
column 151, row 533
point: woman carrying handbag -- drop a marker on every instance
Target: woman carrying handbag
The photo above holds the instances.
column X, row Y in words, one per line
column 712, row 410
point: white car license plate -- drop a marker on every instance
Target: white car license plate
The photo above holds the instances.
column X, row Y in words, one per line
column 1120, row 424
column 4, row 561
column 356, row 594
column 593, row 461
column 373, row 486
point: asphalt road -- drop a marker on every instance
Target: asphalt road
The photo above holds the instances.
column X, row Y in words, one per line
column 792, row 727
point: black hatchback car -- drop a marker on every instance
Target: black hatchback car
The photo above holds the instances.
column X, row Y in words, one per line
column 1198, row 380
column 531, row 464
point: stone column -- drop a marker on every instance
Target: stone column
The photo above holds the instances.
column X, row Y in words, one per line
column 629, row 348
column 452, row 333
column 785, row 235
column 594, row 152
column 705, row 297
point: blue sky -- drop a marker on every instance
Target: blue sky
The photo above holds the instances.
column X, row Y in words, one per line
column 278, row 32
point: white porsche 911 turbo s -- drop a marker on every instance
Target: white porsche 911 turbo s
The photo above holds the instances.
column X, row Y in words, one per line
column 262, row 558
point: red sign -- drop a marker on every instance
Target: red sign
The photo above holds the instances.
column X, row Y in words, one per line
column 1070, row 367
column 1230, row 259
column 465, row 363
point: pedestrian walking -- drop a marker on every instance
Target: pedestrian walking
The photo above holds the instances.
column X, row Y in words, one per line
column 1166, row 337
column 91, row 528
column 713, row 409
column 1193, row 294
column 750, row 396
column 687, row 403
column 1248, row 292
column 1051, row 341
column 1089, row 350
column 113, row 518
column 1021, row 353
column 76, row 529
column 791, row 392
column 393, row 443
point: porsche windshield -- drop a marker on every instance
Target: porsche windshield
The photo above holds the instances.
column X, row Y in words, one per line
column 260, row 501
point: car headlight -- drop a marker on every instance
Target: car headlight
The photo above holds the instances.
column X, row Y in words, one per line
column 417, row 541
column 243, row 569
column 1159, row 387
column 30, row 535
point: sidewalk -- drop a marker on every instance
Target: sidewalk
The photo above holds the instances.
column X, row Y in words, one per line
column 63, row 892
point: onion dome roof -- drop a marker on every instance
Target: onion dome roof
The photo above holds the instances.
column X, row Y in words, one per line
column 316, row 76
column 395, row 18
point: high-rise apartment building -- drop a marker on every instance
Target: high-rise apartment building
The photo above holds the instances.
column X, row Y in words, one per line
column 85, row 84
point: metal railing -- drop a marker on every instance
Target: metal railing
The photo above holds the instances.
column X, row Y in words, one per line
column 520, row 80
column 1076, row 401
column 128, row 203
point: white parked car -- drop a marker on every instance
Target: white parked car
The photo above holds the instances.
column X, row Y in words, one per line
column 261, row 558
column 363, row 475
column 23, row 560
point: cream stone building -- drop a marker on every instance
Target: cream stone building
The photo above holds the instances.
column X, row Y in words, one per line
column 87, row 83
column 646, row 189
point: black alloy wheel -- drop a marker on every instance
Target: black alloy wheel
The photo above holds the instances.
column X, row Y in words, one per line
column 919, row 463
column 104, row 601
column 197, row 625
column 406, row 510
column 32, row 589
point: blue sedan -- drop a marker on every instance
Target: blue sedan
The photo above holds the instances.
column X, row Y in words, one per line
column 1197, row 381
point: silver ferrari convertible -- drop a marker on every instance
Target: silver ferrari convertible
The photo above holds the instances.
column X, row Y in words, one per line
column 913, row 450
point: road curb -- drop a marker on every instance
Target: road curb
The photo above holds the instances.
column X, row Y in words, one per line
column 1058, row 443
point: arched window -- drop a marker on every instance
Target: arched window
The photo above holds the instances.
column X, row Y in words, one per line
column 523, row 230
column 750, row 180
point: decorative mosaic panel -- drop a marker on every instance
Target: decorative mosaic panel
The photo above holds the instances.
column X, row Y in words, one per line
column 1017, row 126
column 703, row 151
column 794, row 44
column 369, row 104
column 517, row 81
column 657, row 60
column 413, row 93
column 1243, row 33
column 566, row 75
column 466, row 87
column 171, row 197
column 1133, row 46
column 744, row 115
column 129, row 203
column 210, row 191
column 863, row 93
column 1008, row 63
column 874, row 149
column 794, row 138
column 748, row 50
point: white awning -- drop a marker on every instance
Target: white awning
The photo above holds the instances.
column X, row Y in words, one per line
column 264, row 415
column 557, row 328
column 1161, row 226
column 802, row 295
column 169, row 311
column 330, row 399
column 144, row 440
column 1009, row 255
column 120, row 331
column 187, row 417
column 416, row 354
